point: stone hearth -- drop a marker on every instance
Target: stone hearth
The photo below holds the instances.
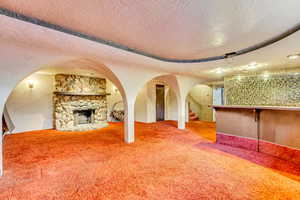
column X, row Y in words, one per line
column 79, row 103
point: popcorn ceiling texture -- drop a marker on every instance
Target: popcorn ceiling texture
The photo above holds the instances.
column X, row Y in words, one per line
column 170, row 28
column 64, row 105
column 276, row 90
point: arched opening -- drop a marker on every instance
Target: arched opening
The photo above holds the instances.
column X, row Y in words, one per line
column 77, row 95
column 199, row 109
column 199, row 100
column 157, row 100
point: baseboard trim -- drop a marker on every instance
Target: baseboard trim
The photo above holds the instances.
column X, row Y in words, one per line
column 277, row 150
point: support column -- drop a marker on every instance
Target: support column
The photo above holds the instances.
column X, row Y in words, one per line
column 187, row 111
column 181, row 114
column 129, row 122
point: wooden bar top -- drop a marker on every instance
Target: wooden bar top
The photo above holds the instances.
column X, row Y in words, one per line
column 259, row 107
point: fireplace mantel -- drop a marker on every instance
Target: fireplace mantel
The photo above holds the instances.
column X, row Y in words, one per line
column 81, row 94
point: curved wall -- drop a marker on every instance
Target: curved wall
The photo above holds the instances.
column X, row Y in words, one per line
column 32, row 109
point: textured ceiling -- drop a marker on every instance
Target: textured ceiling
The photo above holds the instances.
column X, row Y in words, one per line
column 171, row 28
column 27, row 43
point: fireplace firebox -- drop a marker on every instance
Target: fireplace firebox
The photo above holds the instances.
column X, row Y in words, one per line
column 83, row 116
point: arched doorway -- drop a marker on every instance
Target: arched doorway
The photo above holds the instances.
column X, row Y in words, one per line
column 35, row 90
column 158, row 100
column 199, row 107
column 200, row 100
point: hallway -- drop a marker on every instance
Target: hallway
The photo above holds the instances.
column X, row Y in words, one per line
column 163, row 163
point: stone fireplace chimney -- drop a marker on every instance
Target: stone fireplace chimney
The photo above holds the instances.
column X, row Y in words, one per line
column 79, row 103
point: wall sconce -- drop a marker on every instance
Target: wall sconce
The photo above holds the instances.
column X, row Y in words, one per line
column 30, row 84
column 293, row 56
column 115, row 89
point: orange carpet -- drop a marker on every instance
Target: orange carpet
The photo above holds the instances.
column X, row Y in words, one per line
column 204, row 129
column 164, row 163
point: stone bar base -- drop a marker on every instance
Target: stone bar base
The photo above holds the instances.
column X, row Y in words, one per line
column 282, row 152
column 86, row 127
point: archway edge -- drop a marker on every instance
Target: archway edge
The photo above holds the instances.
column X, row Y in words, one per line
column 20, row 70
column 145, row 96
column 108, row 73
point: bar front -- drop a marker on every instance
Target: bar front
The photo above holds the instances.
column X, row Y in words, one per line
column 270, row 130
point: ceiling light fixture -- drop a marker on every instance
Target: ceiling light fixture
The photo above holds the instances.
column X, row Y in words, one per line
column 293, row 56
column 239, row 77
column 252, row 65
column 266, row 76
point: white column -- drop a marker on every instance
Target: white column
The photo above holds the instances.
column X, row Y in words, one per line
column 186, row 111
column 129, row 122
column 181, row 114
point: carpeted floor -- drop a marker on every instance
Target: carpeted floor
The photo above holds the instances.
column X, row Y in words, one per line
column 164, row 163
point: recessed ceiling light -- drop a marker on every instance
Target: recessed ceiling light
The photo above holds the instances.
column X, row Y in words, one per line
column 293, row 56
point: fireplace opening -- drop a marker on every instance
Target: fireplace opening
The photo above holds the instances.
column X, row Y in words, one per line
column 83, row 116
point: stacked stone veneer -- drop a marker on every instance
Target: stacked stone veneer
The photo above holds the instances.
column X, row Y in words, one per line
column 79, row 84
column 276, row 90
column 75, row 92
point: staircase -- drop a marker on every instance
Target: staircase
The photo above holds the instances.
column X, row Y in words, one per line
column 193, row 116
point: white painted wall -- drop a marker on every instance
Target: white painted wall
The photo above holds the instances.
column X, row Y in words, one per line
column 141, row 105
column 144, row 107
column 151, row 102
column 114, row 97
column 171, row 106
column 31, row 109
column 217, row 98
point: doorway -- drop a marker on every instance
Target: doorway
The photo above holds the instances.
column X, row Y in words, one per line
column 160, row 102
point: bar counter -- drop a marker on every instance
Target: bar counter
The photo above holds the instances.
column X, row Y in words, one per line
column 268, row 129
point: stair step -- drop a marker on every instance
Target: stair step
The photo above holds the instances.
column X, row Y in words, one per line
column 193, row 118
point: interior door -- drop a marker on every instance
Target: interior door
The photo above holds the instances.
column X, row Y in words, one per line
column 160, row 102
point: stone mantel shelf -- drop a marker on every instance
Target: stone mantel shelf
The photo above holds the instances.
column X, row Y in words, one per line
column 81, row 94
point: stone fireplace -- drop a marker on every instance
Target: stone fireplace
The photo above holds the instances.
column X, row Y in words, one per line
column 79, row 103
